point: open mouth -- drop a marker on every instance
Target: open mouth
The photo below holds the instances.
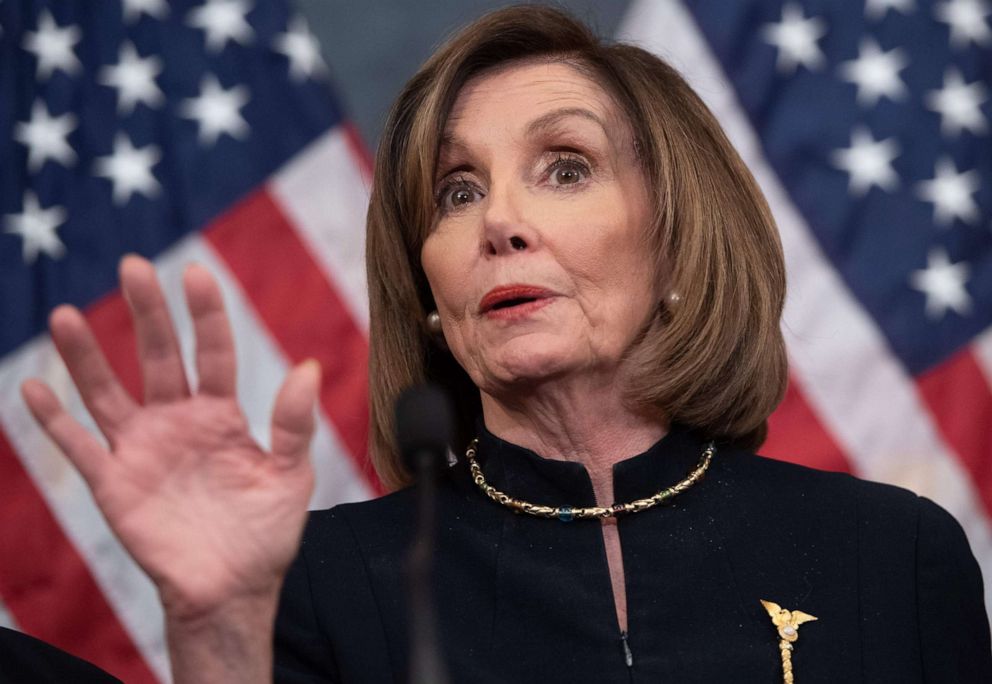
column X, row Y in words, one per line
column 514, row 298
column 516, row 301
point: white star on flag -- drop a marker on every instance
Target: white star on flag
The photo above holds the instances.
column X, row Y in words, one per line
column 876, row 73
column 134, row 79
column 301, row 48
column 950, row 193
column 52, row 45
column 156, row 9
column 795, row 37
column 223, row 21
column 37, row 226
column 943, row 284
column 129, row 169
column 45, row 137
column 966, row 20
column 217, row 110
column 876, row 9
column 869, row 162
column 959, row 104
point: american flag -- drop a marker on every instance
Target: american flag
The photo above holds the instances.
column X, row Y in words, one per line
column 867, row 126
column 184, row 131
column 206, row 131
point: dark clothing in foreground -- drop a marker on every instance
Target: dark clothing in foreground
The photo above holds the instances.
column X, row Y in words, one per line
column 26, row 660
column 889, row 575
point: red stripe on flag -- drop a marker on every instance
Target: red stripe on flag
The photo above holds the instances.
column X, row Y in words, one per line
column 302, row 310
column 47, row 586
column 960, row 400
column 796, row 435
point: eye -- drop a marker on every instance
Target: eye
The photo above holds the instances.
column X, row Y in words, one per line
column 461, row 196
column 567, row 171
column 456, row 194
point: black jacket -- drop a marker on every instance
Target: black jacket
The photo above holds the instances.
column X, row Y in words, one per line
column 26, row 660
column 889, row 575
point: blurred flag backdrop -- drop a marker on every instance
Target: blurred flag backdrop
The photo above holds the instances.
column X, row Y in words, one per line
column 183, row 131
column 206, row 131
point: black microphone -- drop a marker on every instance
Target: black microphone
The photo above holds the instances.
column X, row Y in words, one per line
column 424, row 427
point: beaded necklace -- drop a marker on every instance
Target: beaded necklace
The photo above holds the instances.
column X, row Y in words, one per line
column 570, row 513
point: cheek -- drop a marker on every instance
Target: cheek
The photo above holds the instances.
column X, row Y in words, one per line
column 447, row 267
column 614, row 277
column 610, row 260
column 440, row 269
column 634, row 285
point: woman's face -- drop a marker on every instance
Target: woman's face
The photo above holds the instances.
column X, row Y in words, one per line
column 538, row 261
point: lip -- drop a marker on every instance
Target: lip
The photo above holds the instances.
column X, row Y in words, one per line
column 535, row 296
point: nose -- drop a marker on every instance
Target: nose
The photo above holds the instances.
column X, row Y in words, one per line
column 505, row 227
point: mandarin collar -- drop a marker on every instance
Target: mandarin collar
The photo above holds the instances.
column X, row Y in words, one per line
column 523, row 474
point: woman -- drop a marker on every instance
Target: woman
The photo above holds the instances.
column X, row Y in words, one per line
column 561, row 235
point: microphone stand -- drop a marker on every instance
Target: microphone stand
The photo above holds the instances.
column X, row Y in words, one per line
column 424, row 425
column 425, row 656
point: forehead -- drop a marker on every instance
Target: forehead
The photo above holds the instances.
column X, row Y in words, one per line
column 512, row 96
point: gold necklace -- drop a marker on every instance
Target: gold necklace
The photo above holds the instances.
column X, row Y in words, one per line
column 569, row 513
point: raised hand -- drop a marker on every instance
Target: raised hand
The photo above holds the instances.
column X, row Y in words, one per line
column 210, row 516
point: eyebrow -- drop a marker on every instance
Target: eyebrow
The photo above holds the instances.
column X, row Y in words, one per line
column 542, row 124
column 549, row 121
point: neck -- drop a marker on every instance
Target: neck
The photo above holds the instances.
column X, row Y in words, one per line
column 591, row 425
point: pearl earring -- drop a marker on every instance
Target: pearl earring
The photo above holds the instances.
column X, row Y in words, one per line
column 434, row 323
column 674, row 298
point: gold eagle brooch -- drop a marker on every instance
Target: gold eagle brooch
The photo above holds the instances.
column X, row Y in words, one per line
column 787, row 624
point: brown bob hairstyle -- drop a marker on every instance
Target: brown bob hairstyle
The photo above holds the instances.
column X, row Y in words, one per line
column 715, row 360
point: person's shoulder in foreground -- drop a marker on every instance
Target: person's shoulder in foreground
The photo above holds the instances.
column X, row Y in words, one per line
column 26, row 659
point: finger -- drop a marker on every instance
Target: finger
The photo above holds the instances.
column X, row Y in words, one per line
column 162, row 369
column 216, row 363
column 75, row 441
column 105, row 399
column 292, row 417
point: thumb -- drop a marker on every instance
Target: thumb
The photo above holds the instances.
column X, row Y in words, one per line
column 293, row 414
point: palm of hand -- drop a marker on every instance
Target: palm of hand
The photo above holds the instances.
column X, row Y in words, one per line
column 199, row 505
column 176, row 467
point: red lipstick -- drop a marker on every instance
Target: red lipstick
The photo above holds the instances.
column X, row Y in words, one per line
column 508, row 300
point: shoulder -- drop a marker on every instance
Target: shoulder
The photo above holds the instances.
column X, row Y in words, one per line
column 342, row 546
column 388, row 519
column 877, row 502
column 881, row 521
column 887, row 523
column 807, row 489
column 384, row 525
column 399, row 502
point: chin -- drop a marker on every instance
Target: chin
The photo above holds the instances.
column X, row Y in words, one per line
column 531, row 364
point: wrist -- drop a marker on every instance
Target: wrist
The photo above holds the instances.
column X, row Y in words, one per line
column 231, row 642
column 203, row 607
